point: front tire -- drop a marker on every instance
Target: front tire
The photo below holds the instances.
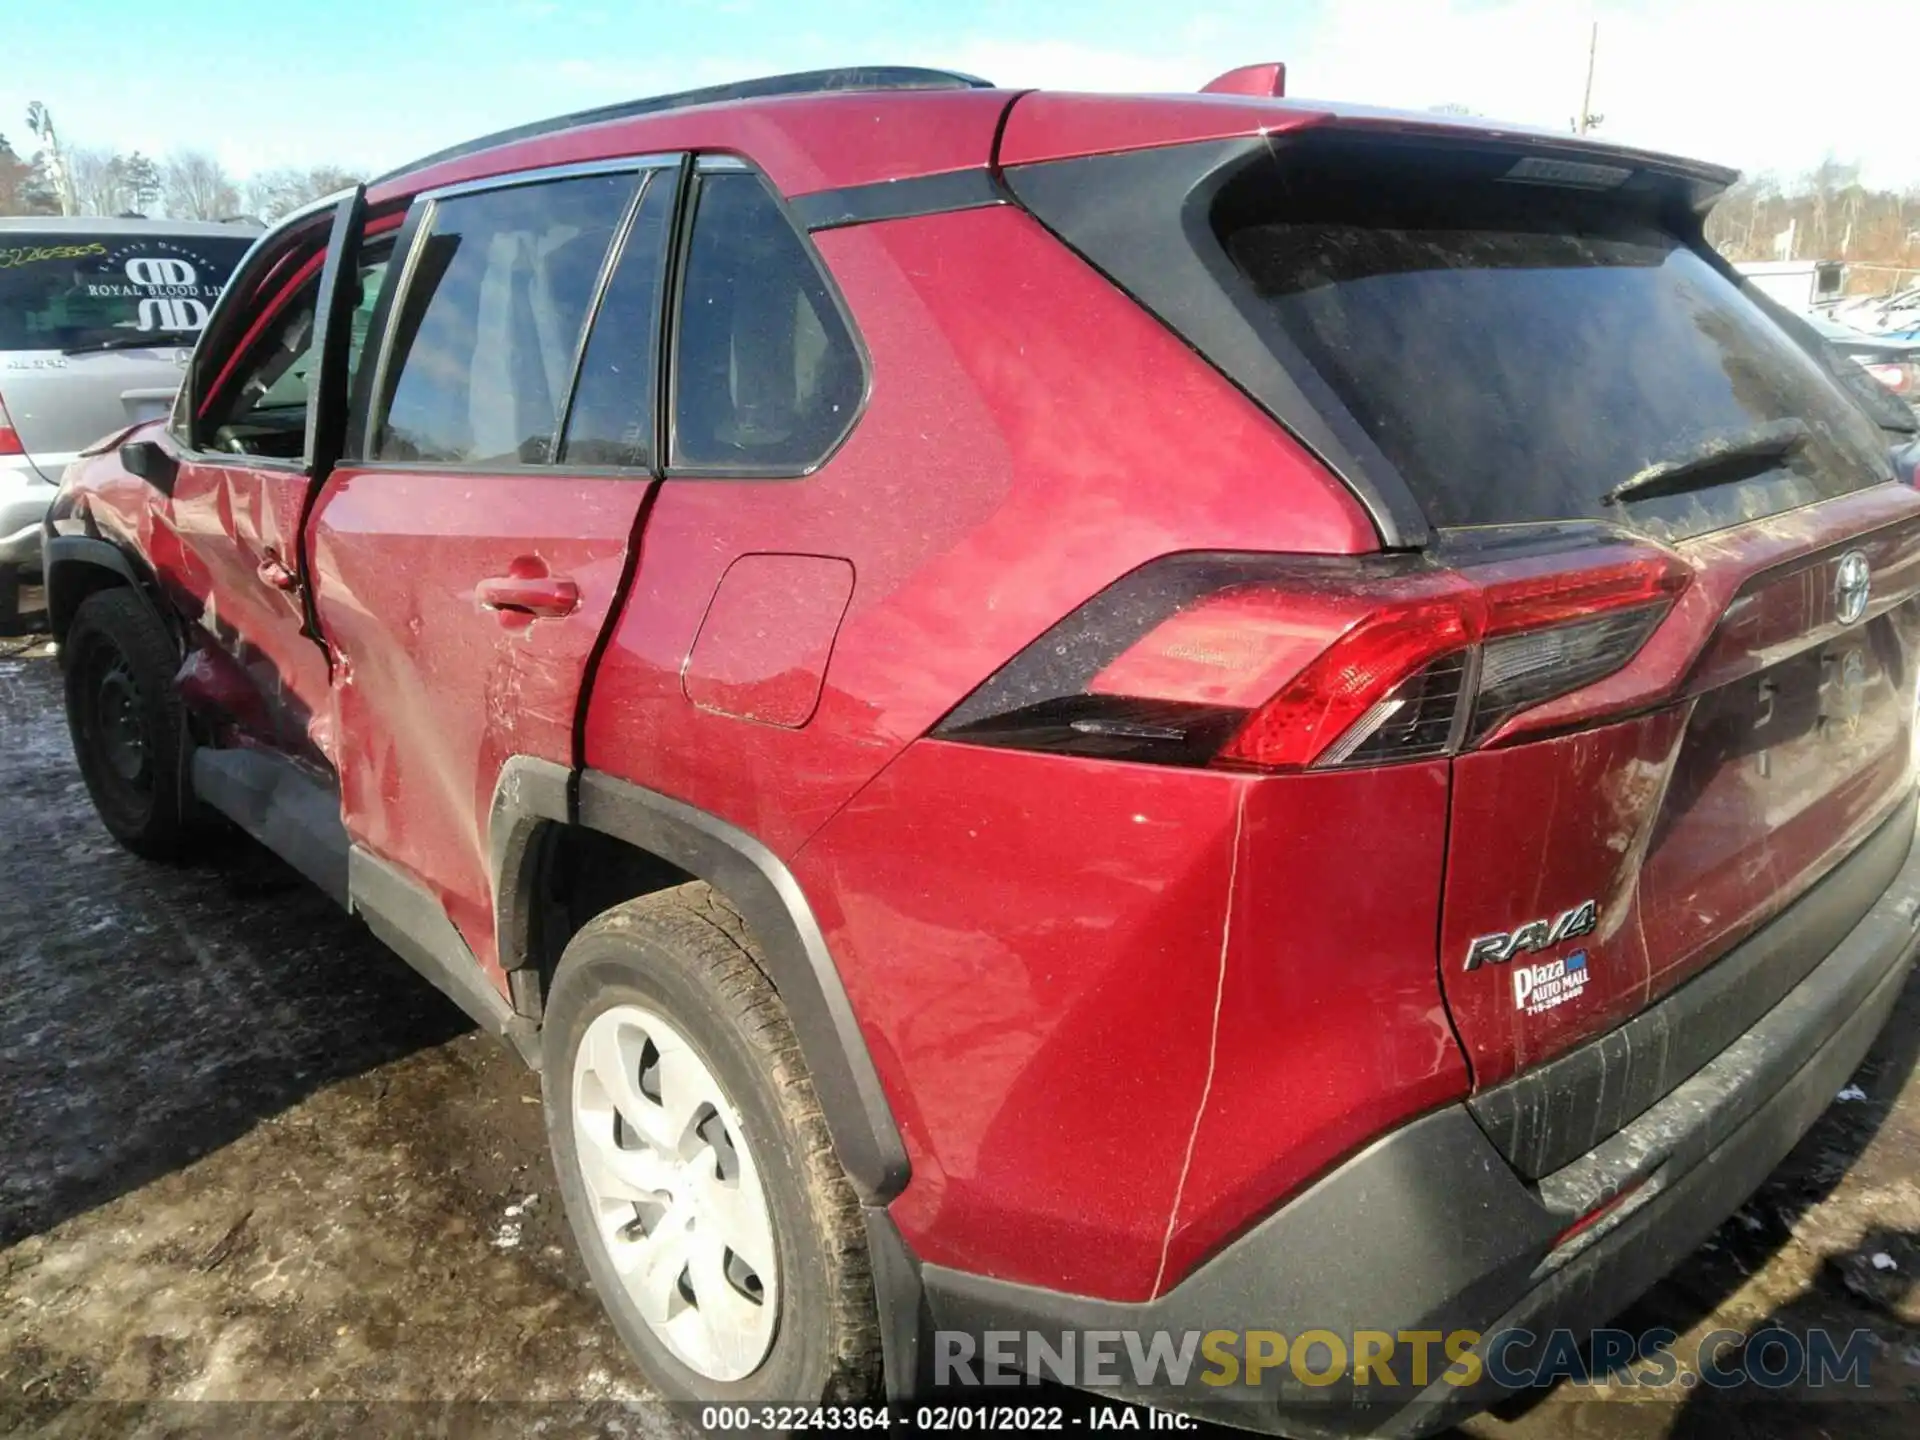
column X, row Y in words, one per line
column 128, row 726
column 703, row 1191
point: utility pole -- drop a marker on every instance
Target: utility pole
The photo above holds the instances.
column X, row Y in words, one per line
column 1587, row 119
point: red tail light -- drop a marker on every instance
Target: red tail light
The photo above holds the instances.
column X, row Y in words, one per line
column 1270, row 663
column 1896, row 377
column 9, row 437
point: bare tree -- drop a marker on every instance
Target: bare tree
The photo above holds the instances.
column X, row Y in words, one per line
column 1833, row 216
column 143, row 181
column 272, row 194
column 99, row 181
column 197, row 187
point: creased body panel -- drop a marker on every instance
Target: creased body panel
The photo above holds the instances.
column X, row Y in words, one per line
column 1123, row 1011
column 432, row 691
column 1782, row 736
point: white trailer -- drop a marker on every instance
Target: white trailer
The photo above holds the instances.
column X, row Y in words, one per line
column 1801, row 285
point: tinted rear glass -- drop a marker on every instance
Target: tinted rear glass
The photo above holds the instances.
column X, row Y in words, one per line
column 1517, row 352
column 59, row 290
column 485, row 341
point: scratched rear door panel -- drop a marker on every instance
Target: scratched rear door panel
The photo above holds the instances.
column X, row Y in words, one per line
column 1686, row 827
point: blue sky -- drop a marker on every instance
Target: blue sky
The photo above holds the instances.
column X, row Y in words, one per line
column 373, row 83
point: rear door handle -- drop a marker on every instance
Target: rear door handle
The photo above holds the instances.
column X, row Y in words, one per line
column 541, row 595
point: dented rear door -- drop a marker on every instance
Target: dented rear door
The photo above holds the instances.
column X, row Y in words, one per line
column 469, row 551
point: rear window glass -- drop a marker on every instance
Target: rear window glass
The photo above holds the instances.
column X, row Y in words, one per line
column 59, row 291
column 766, row 376
column 1520, row 353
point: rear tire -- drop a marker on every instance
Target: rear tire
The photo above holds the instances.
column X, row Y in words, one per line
column 128, row 726
column 659, row 1008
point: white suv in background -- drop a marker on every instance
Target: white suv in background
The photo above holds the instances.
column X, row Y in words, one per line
column 97, row 318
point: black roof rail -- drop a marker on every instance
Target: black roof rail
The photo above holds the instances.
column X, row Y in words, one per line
column 804, row 82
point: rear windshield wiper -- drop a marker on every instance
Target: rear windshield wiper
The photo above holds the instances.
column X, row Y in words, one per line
column 1720, row 461
column 132, row 340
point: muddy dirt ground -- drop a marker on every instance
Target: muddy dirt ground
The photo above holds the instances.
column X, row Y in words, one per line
column 257, row 1177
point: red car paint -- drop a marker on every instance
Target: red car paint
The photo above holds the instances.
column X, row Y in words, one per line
column 411, row 633
column 1120, row 1010
column 1049, row 1061
column 987, row 309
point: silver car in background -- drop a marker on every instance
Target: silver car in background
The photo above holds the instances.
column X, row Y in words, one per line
column 97, row 318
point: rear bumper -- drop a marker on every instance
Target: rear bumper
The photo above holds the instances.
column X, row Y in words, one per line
column 1432, row 1228
column 24, row 499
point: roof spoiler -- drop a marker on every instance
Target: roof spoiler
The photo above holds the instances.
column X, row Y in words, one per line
column 1267, row 80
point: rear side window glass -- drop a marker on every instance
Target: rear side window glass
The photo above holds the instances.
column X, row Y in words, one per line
column 486, row 335
column 612, row 419
column 1519, row 353
column 73, row 291
column 766, row 376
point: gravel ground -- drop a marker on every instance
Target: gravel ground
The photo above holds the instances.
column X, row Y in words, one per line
column 246, row 1156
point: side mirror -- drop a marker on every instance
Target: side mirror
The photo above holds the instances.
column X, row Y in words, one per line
column 152, row 463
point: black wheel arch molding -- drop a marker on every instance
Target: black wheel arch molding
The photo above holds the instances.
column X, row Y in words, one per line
column 532, row 794
column 74, row 566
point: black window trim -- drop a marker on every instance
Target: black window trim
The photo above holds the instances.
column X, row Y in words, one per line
column 305, row 463
column 945, row 192
column 266, row 251
column 689, row 165
column 400, row 267
column 420, row 214
column 717, row 163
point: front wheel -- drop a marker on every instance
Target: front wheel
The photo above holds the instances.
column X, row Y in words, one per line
column 702, row 1188
column 128, row 726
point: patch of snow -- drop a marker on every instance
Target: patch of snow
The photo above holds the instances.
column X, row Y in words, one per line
column 507, row 1237
column 1884, row 1261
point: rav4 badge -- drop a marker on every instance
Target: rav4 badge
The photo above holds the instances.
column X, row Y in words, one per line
column 1534, row 936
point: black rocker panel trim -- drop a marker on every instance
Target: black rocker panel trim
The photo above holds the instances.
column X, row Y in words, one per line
column 282, row 806
column 414, row 925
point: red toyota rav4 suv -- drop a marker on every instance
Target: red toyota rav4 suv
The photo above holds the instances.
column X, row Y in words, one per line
column 1051, row 713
